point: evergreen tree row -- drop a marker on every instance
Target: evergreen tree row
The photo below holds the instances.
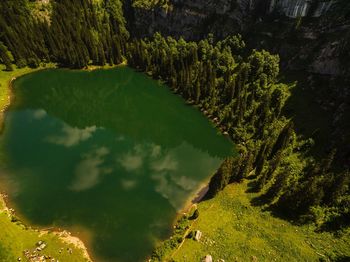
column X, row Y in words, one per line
column 245, row 100
column 76, row 34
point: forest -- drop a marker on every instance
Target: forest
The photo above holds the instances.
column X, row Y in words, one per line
column 245, row 99
column 237, row 88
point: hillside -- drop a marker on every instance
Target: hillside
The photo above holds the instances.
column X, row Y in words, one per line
column 273, row 76
column 248, row 232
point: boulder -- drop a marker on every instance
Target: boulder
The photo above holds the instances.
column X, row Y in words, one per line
column 208, row 258
column 197, row 235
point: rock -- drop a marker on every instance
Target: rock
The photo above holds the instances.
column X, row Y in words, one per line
column 208, row 258
column 42, row 246
column 197, row 235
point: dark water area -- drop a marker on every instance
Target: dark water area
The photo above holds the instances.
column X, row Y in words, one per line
column 110, row 151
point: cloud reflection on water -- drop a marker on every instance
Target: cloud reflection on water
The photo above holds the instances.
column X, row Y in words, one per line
column 170, row 169
column 131, row 162
column 128, row 184
column 176, row 176
column 89, row 170
column 72, row 136
column 164, row 164
column 39, row 114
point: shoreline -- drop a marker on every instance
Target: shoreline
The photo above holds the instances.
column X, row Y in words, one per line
column 7, row 84
column 65, row 236
column 194, row 198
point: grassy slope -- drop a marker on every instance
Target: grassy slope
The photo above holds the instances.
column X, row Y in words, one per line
column 14, row 237
column 234, row 230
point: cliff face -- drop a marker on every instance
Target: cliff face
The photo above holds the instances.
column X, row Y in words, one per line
column 300, row 8
column 314, row 45
column 194, row 19
column 318, row 47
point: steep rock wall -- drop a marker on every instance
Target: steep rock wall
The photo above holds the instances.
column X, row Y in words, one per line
column 261, row 22
column 301, row 8
column 194, row 19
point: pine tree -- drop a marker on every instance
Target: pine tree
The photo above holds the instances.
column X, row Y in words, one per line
column 5, row 58
column 282, row 139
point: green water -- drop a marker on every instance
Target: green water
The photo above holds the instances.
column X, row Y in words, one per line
column 109, row 151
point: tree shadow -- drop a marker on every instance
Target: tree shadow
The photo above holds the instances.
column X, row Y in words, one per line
column 342, row 259
column 334, row 226
column 260, row 200
column 252, row 187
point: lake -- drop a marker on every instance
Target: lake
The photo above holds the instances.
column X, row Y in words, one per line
column 110, row 154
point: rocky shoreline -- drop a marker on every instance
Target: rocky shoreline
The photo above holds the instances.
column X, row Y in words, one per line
column 64, row 235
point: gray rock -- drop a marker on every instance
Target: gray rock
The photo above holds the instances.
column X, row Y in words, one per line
column 207, row 258
column 197, row 235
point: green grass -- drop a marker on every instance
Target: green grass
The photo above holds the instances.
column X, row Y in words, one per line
column 15, row 238
column 234, row 230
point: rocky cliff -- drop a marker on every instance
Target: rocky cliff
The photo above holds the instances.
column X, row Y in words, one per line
column 305, row 33
column 194, row 18
column 270, row 21
column 300, row 8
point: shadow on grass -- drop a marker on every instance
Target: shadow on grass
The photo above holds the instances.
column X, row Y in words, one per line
column 6, row 70
column 342, row 259
column 334, row 226
column 253, row 187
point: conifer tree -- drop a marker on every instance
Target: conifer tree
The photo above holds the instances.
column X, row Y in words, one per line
column 5, row 58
